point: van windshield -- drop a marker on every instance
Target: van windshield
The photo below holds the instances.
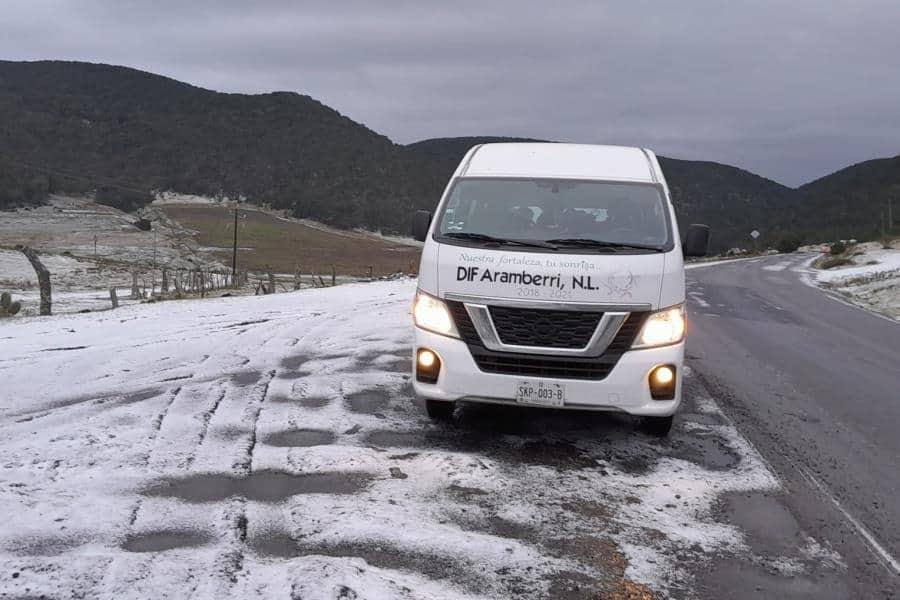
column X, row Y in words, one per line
column 556, row 213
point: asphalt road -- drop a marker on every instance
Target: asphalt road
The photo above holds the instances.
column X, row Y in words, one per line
column 814, row 384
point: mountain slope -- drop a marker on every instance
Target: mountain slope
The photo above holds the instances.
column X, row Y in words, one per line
column 852, row 202
column 732, row 201
column 136, row 129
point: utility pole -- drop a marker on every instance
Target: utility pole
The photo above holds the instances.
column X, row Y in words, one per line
column 234, row 247
column 890, row 215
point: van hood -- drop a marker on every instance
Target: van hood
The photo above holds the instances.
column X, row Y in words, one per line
column 619, row 279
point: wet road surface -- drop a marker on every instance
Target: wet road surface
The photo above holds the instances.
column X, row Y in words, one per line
column 814, row 383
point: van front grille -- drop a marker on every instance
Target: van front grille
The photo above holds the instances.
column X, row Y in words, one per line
column 546, row 328
column 545, row 365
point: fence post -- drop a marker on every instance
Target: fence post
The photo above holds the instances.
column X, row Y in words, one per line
column 113, row 297
column 135, row 290
column 271, row 279
column 370, row 272
column 333, row 276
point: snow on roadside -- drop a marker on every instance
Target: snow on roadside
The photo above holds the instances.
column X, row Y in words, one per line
column 136, row 444
column 873, row 281
column 882, row 261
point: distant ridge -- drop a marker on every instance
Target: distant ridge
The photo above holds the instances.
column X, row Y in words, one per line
column 71, row 126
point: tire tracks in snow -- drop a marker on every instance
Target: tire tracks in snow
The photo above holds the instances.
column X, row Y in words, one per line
column 205, row 419
column 244, row 465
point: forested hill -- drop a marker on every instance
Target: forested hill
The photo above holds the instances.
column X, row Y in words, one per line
column 67, row 126
column 854, row 202
column 122, row 127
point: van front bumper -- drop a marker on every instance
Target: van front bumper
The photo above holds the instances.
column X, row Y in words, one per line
column 625, row 389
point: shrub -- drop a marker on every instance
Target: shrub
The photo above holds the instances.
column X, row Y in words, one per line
column 124, row 199
column 788, row 244
column 8, row 308
column 838, row 248
column 831, row 262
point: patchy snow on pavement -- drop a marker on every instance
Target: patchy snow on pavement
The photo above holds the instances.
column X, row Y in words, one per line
column 270, row 447
column 779, row 266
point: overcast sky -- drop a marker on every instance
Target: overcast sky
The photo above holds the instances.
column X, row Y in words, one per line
column 791, row 90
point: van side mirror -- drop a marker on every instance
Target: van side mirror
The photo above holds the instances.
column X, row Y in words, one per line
column 696, row 241
column 421, row 223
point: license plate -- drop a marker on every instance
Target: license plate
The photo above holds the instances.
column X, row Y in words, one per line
column 541, row 393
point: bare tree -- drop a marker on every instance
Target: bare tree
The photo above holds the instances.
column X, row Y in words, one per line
column 43, row 276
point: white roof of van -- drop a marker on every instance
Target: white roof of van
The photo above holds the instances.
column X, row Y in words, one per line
column 564, row 161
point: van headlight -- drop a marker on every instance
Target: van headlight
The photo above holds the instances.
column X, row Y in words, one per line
column 432, row 314
column 662, row 328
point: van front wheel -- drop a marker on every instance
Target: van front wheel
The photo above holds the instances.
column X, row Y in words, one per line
column 440, row 410
column 657, row 426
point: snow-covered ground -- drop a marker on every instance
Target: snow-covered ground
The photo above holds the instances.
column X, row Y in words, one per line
column 269, row 447
column 84, row 229
column 89, row 248
column 872, row 281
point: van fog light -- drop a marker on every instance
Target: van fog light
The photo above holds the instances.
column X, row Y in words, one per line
column 662, row 382
column 428, row 366
column 426, row 358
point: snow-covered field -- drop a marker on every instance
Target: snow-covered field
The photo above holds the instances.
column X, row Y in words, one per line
column 88, row 248
column 88, row 230
column 270, row 447
column 873, row 281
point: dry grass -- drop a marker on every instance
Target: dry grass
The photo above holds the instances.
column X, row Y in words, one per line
column 264, row 239
column 830, row 262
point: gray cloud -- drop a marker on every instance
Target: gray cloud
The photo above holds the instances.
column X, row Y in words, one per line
column 790, row 90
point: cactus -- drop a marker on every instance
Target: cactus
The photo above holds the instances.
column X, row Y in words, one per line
column 8, row 308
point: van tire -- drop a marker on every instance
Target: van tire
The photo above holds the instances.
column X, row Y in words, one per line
column 657, row 426
column 440, row 410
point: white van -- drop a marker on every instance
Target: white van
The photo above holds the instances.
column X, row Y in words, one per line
column 552, row 275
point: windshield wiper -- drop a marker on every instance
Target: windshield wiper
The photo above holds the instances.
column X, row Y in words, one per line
column 591, row 243
column 483, row 237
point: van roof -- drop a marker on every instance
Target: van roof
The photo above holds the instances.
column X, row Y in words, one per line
column 568, row 161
